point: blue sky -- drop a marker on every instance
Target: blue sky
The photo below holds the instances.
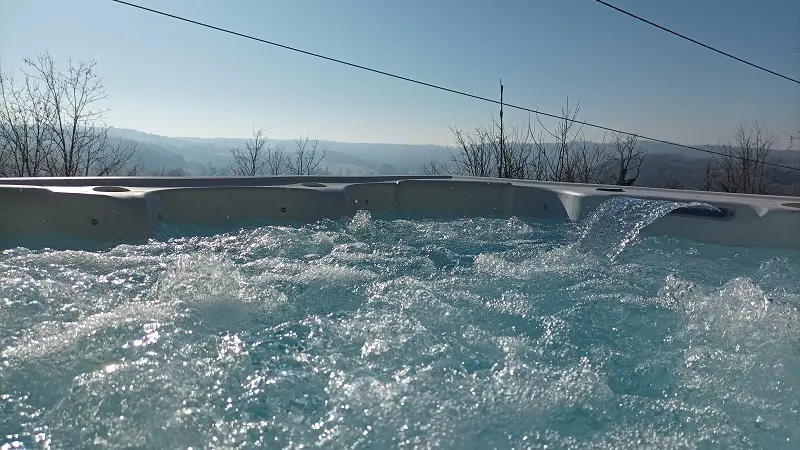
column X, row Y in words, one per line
column 176, row 79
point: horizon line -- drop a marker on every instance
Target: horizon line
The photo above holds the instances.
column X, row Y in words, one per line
column 677, row 150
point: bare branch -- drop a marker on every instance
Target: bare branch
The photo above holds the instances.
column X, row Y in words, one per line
column 24, row 125
column 524, row 154
column 217, row 172
column 474, row 154
column 628, row 157
column 793, row 138
column 251, row 160
column 670, row 180
column 307, row 158
column 589, row 162
column 556, row 164
column 276, row 160
column 434, row 167
column 53, row 125
column 744, row 166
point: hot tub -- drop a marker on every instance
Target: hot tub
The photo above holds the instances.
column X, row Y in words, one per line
column 394, row 312
column 129, row 209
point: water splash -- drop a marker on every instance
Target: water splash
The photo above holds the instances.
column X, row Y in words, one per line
column 361, row 221
column 619, row 221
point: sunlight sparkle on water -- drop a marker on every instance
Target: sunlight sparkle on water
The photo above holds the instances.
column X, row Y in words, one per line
column 372, row 333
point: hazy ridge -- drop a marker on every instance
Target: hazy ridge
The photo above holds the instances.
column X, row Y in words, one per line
column 198, row 156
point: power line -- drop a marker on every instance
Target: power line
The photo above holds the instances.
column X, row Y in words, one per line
column 433, row 86
column 696, row 42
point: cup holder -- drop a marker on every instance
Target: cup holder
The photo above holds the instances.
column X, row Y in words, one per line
column 110, row 189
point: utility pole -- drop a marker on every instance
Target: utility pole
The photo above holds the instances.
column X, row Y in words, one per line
column 502, row 162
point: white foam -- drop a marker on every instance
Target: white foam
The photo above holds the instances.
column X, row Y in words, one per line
column 49, row 338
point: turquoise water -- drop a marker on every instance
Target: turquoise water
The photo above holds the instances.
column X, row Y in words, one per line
column 403, row 333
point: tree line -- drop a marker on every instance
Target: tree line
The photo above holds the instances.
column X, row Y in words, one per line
column 561, row 153
column 538, row 152
column 258, row 158
column 52, row 123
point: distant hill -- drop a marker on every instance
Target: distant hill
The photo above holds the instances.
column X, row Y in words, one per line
column 664, row 166
column 197, row 155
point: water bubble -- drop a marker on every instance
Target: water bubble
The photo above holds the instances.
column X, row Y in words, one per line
column 488, row 332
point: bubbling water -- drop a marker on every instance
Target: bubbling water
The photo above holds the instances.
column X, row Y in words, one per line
column 371, row 333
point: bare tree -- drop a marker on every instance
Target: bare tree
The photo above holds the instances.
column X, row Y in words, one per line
column 256, row 158
column 570, row 158
column 503, row 151
column 590, row 163
column 250, row 161
column 560, row 153
column 518, row 156
column 474, row 155
column 494, row 150
column 307, row 158
column 24, row 128
column 491, row 151
column 628, row 157
column 707, row 182
column 744, row 164
column 77, row 130
column 276, row 160
column 793, row 137
column 133, row 167
column 52, row 123
column 556, row 164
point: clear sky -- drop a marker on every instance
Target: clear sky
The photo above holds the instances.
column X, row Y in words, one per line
column 176, row 79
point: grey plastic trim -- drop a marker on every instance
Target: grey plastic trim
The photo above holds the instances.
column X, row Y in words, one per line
column 131, row 208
